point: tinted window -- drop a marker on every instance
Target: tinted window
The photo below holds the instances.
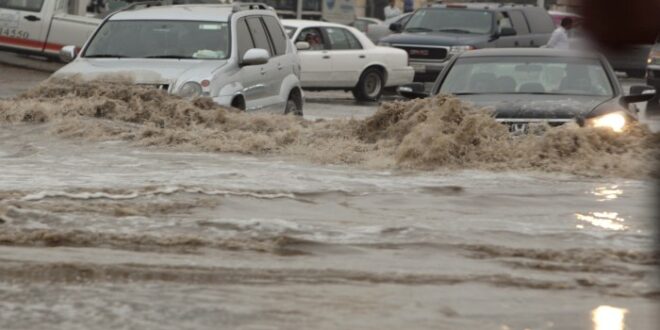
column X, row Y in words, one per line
column 29, row 5
column 524, row 75
column 451, row 20
column 539, row 20
column 161, row 39
column 276, row 34
column 258, row 34
column 243, row 38
column 314, row 37
column 339, row 39
column 519, row 22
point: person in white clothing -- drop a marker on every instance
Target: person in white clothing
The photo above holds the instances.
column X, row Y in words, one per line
column 559, row 38
column 391, row 10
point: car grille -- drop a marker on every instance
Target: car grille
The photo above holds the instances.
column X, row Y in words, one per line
column 424, row 53
column 526, row 125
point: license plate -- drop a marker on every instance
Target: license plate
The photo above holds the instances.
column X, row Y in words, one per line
column 419, row 67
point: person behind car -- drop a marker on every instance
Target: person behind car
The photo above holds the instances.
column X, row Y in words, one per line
column 559, row 38
column 391, row 10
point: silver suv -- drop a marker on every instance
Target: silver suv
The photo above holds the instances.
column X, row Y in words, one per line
column 237, row 55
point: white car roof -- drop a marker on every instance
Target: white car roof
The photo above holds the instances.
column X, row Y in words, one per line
column 300, row 23
column 204, row 12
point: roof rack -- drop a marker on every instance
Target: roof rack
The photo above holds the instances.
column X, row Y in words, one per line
column 238, row 6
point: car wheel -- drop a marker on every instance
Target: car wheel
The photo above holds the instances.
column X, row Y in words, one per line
column 292, row 107
column 370, row 87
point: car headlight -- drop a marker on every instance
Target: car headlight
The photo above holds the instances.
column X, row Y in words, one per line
column 614, row 120
column 455, row 50
column 384, row 44
column 190, row 89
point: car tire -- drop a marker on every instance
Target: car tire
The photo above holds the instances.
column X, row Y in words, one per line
column 371, row 85
column 293, row 105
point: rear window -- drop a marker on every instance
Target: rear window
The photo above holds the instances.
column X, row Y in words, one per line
column 27, row 5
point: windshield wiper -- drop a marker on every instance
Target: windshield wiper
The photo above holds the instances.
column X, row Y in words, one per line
column 455, row 30
column 105, row 55
column 418, row 29
column 167, row 56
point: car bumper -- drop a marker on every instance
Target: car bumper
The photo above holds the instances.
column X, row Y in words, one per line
column 425, row 71
column 399, row 77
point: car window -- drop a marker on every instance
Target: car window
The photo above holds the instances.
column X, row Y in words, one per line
column 519, row 22
column 314, row 37
column 338, row 38
column 243, row 38
column 525, row 75
column 258, row 34
column 539, row 20
column 353, row 42
column 27, row 5
column 503, row 21
column 360, row 25
column 276, row 34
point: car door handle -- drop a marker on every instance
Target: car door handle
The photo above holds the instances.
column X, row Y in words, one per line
column 263, row 71
column 32, row 18
column 516, row 44
column 532, row 43
column 325, row 57
column 361, row 56
column 279, row 66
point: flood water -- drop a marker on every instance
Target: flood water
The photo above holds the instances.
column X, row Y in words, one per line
column 106, row 234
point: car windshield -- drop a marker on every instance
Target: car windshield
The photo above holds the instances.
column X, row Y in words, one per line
column 527, row 75
column 290, row 31
column 161, row 39
column 451, row 20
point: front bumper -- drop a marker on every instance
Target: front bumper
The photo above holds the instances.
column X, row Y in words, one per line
column 426, row 71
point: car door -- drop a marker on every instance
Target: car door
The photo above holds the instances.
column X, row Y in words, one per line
column 252, row 77
column 521, row 26
column 282, row 63
column 23, row 23
column 315, row 62
column 347, row 56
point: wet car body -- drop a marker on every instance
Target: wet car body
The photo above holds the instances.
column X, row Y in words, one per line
column 519, row 110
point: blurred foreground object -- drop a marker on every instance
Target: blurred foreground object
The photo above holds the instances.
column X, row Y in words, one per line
column 618, row 23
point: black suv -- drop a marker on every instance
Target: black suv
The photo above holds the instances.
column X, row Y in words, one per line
column 434, row 34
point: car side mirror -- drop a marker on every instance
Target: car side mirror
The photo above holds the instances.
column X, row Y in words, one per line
column 413, row 91
column 639, row 93
column 255, row 56
column 507, row 32
column 396, row 27
column 68, row 53
column 302, row 45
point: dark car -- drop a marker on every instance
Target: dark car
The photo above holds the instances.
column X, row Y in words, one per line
column 524, row 86
column 653, row 77
column 433, row 35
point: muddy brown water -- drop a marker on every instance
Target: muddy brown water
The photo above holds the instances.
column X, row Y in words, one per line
column 125, row 208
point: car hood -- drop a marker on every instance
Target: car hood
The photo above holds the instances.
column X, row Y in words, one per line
column 140, row 71
column 436, row 38
column 516, row 106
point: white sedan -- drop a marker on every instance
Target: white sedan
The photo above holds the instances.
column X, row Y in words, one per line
column 334, row 56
